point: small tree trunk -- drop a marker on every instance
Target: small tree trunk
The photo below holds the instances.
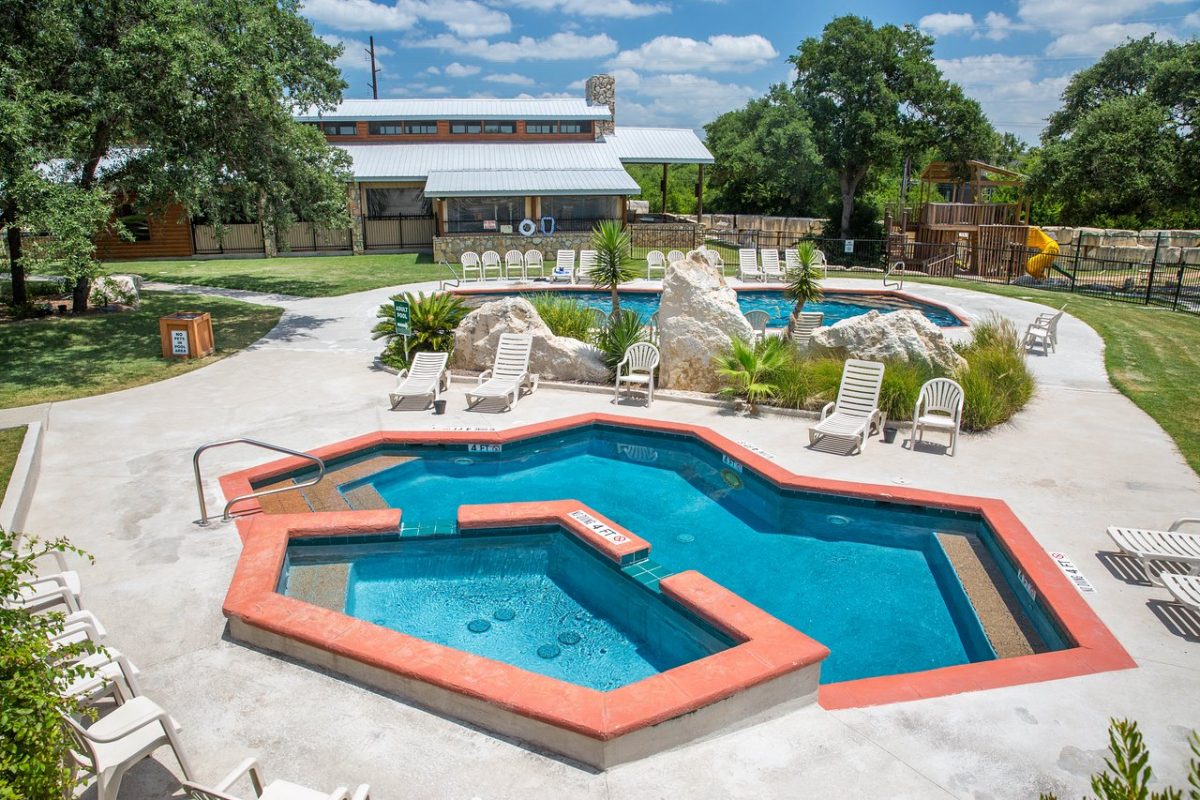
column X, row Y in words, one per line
column 20, row 297
column 848, row 188
column 79, row 294
column 616, row 302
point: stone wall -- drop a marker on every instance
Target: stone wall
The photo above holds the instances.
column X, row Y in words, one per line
column 601, row 90
column 449, row 248
column 1173, row 246
column 798, row 227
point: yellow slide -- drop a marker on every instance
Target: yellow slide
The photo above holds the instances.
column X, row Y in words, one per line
column 1039, row 265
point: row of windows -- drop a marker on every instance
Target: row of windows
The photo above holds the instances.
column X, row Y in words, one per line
column 399, row 128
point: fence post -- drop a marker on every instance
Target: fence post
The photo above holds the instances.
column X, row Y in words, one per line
column 1075, row 268
column 1178, row 282
column 1153, row 264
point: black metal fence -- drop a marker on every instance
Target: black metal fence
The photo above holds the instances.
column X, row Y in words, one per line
column 663, row 236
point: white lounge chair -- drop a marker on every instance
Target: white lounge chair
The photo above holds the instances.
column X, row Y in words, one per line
column 514, row 265
column 655, row 262
column 637, row 369
column 806, row 323
column 855, row 415
column 758, row 320
column 491, row 262
column 1150, row 547
column 427, row 377
column 1043, row 332
column 939, row 407
column 470, row 266
column 110, row 746
column 675, row 255
column 533, row 260
column 275, row 790
column 564, row 266
column 587, row 262
column 770, row 264
column 1184, row 588
column 509, row 373
column 50, row 591
column 748, row 265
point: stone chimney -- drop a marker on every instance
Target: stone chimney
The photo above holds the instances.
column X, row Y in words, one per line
column 601, row 90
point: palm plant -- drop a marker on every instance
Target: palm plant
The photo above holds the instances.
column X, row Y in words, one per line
column 748, row 369
column 432, row 318
column 614, row 265
column 802, row 286
column 624, row 330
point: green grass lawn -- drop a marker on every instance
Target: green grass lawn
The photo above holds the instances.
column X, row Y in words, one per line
column 10, row 445
column 60, row 358
column 1152, row 355
column 306, row 276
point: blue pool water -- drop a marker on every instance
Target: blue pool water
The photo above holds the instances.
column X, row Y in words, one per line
column 835, row 306
column 868, row 579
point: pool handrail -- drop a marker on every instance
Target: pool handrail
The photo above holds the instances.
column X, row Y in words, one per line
column 251, row 495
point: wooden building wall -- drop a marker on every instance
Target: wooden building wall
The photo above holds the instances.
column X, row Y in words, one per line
column 170, row 236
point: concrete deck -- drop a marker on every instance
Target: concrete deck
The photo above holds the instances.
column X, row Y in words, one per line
column 116, row 478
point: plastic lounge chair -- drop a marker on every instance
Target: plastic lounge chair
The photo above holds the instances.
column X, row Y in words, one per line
column 806, row 323
column 939, row 407
column 637, row 369
column 855, row 415
column 275, row 790
column 655, row 262
column 564, row 266
column 47, row 591
column 426, row 377
column 1151, row 546
column 587, row 262
column 110, row 746
column 713, row 258
column 675, row 255
column 469, row 261
column 1043, row 332
column 533, row 260
column 748, row 265
column 509, row 374
column 1184, row 588
column 491, row 262
column 111, row 674
column 770, row 264
column 791, row 261
column 758, row 320
column 514, row 262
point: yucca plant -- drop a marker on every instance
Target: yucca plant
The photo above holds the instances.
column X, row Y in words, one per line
column 749, row 369
column 802, row 286
column 433, row 319
column 614, row 265
column 624, row 330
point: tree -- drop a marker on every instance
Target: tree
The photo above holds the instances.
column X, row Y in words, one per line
column 613, row 266
column 681, row 186
column 875, row 95
column 164, row 102
column 802, row 286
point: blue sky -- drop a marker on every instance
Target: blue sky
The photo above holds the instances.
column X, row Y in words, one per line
column 683, row 62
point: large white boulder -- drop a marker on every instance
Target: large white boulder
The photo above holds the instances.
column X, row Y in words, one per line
column 697, row 318
column 117, row 290
column 897, row 336
column 557, row 358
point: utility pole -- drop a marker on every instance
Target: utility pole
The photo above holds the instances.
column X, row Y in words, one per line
column 374, row 71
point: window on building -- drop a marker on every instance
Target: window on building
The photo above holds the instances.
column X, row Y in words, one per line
column 583, row 126
column 580, row 212
column 339, row 128
column 386, row 128
column 499, row 126
column 420, row 128
column 466, row 127
column 477, row 214
column 134, row 222
column 539, row 126
column 396, row 202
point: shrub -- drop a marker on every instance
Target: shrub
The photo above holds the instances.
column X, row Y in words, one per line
column 997, row 383
column 804, row 382
column 902, row 381
column 564, row 316
column 749, row 370
column 1127, row 774
column 432, row 318
column 623, row 331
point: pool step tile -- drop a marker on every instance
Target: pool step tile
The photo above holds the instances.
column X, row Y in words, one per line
column 284, row 502
column 1004, row 621
column 325, row 496
column 322, row 585
column 365, row 497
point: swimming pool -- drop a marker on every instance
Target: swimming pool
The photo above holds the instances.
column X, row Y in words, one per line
column 836, row 306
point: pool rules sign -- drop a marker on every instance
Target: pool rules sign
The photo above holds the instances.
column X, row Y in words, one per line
column 401, row 312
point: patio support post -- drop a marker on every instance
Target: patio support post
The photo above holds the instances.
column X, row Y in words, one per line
column 664, row 188
column 700, row 193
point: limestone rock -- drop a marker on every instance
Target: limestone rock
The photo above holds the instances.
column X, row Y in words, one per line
column 556, row 358
column 117, row 290
column 697, row 318
column 898, row 336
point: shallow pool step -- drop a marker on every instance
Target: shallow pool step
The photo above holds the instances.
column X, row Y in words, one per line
column 1004, row 621
column 325, row 495
column 365, row 497
column 284, row 502
column 322, row 585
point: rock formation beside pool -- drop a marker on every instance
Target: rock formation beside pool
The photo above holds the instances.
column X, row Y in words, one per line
column 897, row 336
column 556, row 358
column 697, row 318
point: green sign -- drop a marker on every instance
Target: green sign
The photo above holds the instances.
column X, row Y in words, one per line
column 403, row 326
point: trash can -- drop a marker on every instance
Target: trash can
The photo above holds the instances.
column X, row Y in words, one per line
column 186, row 334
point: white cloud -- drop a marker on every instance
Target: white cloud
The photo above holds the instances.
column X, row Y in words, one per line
column 354, row 53
column 679, row 100
column 1094, row 41
column 1192, row 20
column 719, row 53
column 416, row 90
column 510, row 78
column 624, row 9
column 998, row 26
column 457, row 70
column 433, row 70
column 946, row 24
column 1013, row 97
column 1067, row 16
column 465, row 17
column 462, row 17
column 563, row 46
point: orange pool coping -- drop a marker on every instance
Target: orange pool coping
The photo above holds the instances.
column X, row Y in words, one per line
column 1095, row 648
column 765, row 647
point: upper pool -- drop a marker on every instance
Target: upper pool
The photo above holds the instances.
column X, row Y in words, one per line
column 836, row 306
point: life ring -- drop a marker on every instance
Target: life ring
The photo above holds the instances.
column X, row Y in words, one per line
column 548, row 226
column 527, row 227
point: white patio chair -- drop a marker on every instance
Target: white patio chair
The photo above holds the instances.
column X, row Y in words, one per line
column 599, row 318
column 491, row 263
column 426, row 377
column 111, row 674
column 855, row 415
column 275, row 790
column 1150, row 547
column 46, row 591
column 637, row 369
column 1043, row 332
column 509, row 373
column 791, row 261
column 748, row 265
column 939, row 407
column 1184, row 588
column 758, row 320
column 514, row 262
column 713, row 258
column 770, row 264
column 806, row 323
column 533, row 260
column 469, row 261
column 113, row 744
column 655, row 262
column 564, row 266
column 675, row 255
column 587, row 262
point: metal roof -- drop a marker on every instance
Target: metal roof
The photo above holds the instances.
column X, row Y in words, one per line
column 573, row 108
column 484, row 183
column 414, row 162
column 658, row 146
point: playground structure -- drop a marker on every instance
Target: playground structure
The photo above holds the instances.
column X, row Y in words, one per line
column 968, row 219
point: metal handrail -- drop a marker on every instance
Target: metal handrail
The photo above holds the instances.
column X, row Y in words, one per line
column 254, row 442
column 457, row 280
column 888, row 273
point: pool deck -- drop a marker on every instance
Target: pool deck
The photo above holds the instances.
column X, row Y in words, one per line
column 116, row 478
